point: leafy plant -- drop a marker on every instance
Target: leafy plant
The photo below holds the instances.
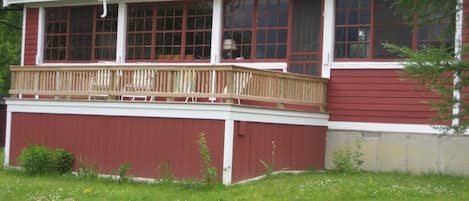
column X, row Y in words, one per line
column 165, row 172
column 269, row 167
column 62, row 161
column 36, row 160
column 39, row 160
column 86, row 171
column 122, row 172
column 209, row 172
column 347, row 161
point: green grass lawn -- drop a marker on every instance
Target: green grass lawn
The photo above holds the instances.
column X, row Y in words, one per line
column 307, row 186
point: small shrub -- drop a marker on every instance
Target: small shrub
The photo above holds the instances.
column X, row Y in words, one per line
column 165, row 172
column 39, row 160
column 209, row 172
column 62, row 161
column 86, row 170
column 122, row 172
column 36, row 160
column 347, row 161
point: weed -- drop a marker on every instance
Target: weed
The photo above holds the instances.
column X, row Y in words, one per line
column 165, row 172
column 122, row 172
column 209, row 172
column 348, row 161
column 86, row 170
column 269, row 167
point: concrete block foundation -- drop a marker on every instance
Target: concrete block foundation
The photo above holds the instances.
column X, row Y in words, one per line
column 403, row 152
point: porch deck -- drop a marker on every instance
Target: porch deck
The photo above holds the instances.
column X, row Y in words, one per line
column 210, row 84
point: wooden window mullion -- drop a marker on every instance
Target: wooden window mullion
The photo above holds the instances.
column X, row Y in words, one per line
column 67, row 38
column 153, row 33
column 184, row 30
column 93, row 36
column 254, row 30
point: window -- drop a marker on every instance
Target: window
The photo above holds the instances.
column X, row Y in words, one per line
column 178, row 31
column 255, row 29
column 79, row 34
column 362, row 26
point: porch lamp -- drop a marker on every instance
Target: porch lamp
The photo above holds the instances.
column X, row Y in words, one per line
column 229, row 45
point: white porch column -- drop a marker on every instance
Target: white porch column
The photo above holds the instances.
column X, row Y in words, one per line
column 121, row 32
column 7, row 139
column 217, row 27
column 328, row 38
column 228, row 152
column 40, row 36
column 23, row 36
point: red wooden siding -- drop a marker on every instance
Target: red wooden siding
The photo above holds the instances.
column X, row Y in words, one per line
column 108, row 142
column 377, row 96
column 3, row 115
column 297, row 148
column 30, row 43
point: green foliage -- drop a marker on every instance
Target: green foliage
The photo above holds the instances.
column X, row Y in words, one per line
column 36, row 160
column 209, row 172
column 165, row 172
column 318, row 186
column 123, row 172
column 425, row 11
column 434, row 68
column 269, row 167
column 346, row 160
column 10, row 45
column 39, row 160
column 2, row 158
column 62, row 161
column 86, row 170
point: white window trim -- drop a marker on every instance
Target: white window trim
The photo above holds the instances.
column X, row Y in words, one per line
column 40, row 36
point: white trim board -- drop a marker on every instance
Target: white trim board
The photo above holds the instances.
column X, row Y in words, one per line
column 228, row 152
column 170, row 110
column 367, row 65
column 384, row 127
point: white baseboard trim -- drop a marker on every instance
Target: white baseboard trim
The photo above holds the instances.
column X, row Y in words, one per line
column 384, row 127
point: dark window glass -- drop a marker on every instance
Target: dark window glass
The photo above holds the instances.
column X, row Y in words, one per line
column 156, row 31
column 354, row 31
column 70, row 34
column 270, row 26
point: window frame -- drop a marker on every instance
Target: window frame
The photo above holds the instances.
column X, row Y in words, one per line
column 184, row 30
column 254, row 28
column 68, row 34
column 372, row 39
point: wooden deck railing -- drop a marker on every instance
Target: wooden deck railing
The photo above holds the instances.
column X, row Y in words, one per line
column 211, row 82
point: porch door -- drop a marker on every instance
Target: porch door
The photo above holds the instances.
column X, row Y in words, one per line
column 306, row 27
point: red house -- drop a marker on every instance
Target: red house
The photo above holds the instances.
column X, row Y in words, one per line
column 136, row 81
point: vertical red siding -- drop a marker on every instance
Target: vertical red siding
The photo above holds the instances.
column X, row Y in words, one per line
column 30, row 43
column 297, row 148
column 108, row 142
column 377, row 96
